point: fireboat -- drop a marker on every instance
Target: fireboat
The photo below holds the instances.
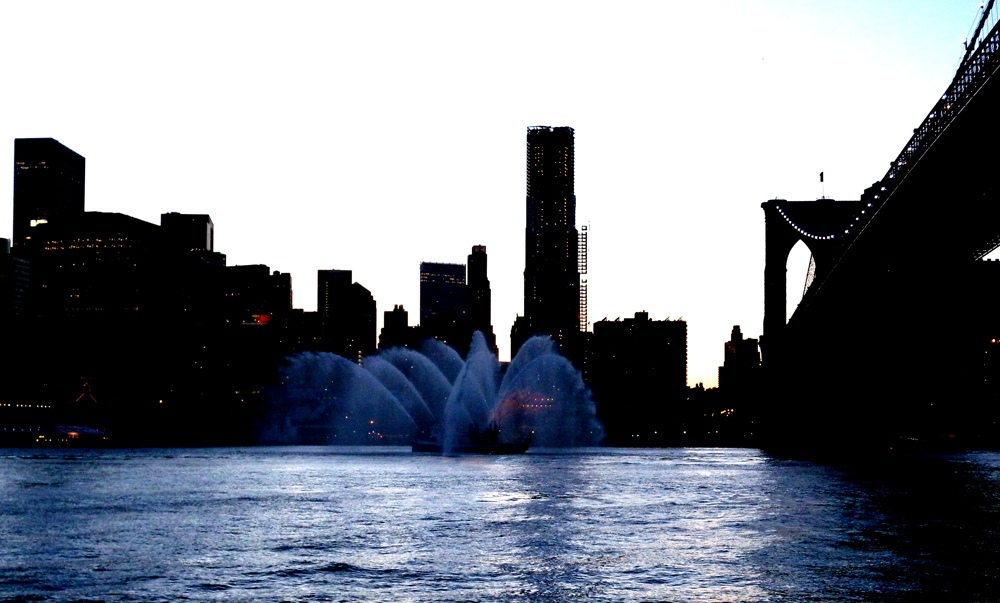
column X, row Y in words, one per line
column 476, row 441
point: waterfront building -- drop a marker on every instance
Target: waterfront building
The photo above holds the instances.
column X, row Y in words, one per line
column 638, row 374
column 96, row 266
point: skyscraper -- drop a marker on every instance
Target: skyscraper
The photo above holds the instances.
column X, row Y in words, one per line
column 347, row 313
column 478, row 292
column 741, row 366
column 443, row 311
column 188, row 231
column 740, row 378
column 551, row 277
column 396, row 329
column 48, row 183
column 479, row 296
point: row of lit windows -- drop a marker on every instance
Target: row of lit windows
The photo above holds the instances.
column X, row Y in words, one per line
column 95, row 240
column 101, row 309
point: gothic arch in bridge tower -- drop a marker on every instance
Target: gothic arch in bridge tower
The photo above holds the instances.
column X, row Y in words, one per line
column 799, row 271
column 817, row 224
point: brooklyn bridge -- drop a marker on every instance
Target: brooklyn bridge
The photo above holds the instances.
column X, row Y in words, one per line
column 897, row 337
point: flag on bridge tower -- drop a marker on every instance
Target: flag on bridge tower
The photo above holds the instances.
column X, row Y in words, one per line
column 821, row 176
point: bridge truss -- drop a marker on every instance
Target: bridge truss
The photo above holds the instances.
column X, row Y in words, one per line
column 981, row 61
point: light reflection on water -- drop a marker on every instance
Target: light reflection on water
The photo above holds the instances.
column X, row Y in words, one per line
column 333, row 524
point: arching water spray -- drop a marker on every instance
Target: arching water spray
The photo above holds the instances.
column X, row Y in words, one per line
column 401, row 395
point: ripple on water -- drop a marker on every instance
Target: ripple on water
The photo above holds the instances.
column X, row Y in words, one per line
column 606, row 525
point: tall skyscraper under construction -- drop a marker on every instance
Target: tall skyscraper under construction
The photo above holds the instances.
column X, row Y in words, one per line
column 551, row 276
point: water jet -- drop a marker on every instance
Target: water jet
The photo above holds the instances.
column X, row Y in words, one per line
column 401, row 396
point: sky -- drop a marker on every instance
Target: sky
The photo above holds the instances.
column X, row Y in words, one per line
column 371, row 136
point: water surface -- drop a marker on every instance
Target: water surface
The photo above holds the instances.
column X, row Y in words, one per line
column 383, row 524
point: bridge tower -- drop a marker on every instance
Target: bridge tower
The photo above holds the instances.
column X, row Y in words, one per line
column 815, row 223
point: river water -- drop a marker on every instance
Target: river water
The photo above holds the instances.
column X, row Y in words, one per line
column 384, row 524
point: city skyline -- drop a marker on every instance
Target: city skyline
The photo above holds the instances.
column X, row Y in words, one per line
column 337, row 137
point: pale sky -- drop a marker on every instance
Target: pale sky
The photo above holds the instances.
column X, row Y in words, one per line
column 372, row 136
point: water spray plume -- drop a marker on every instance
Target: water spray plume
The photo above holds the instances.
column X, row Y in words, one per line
column 400, row 395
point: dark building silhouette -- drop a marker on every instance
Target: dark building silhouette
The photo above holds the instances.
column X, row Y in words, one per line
column 442, row 295
column 7, row 287
column 197, row 281
column 14, row 280
column 331, row 287
column 455, row 302
column 443, row 304
column 304, row 331
column 396, row 319
column 638, row 375
column 97, row 321
column 95, row 266
column 48, row 183
column 259, row 329
column 255, row 295
column 739, row 372
column 479, row 296
column 551, row 276
column 363, row 338
column 396, row 329
column 129, row 331
column 134, row 330
column 347, row 313
column 188, row 231
column 740, row 382
column 110, row 267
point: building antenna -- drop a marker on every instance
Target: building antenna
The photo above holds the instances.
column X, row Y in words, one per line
column 822, row 186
